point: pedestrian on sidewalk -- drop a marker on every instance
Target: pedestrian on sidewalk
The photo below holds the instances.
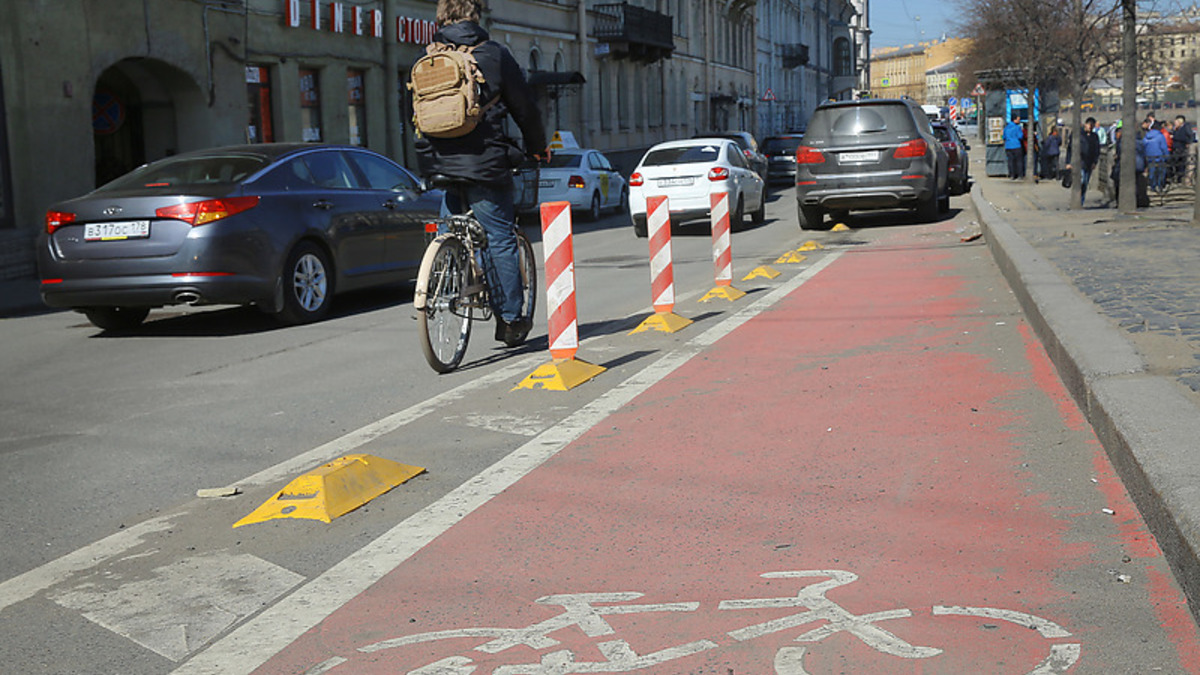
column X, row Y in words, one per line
column 1157, row 153
column 1181, row 134
column 1051, row 148
column 1014, row 144
column 1089, row 154
column 1141, row 194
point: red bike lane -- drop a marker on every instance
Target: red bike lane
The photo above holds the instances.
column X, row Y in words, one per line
column 880, row 472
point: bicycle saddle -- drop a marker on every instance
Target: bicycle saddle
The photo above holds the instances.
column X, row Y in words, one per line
column 443, row 182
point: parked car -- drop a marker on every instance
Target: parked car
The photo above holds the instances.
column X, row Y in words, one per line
column 586, row 179
column 958, row 161
column 749, row 146
column 869, row 154
column 687, row 172
column 280, row 226
column 781, row 156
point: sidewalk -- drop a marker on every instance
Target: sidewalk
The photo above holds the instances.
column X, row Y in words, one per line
column 1116, row 301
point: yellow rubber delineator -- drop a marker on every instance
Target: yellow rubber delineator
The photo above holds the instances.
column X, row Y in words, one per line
column 810, row 245
column 560, row 375
column 840, row 227
column 791, row 258
column 762, row 271
column 667, row 322
column 727, row 292
column 334, row 489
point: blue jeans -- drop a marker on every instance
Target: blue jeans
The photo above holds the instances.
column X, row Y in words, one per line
column 493, row 207
column 1085, row 174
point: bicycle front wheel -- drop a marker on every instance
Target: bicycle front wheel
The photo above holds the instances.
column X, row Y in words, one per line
column 445, row 320
column 529, row 276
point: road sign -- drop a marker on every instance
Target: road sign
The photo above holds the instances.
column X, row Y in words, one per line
column 769, row 95
column 952, row 101
column 978, row 90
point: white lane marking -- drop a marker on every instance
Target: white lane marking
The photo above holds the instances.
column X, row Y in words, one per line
column 28, row 584
column 25, row 586
column 1047, row 628
column 261, row 638
column 181, row 606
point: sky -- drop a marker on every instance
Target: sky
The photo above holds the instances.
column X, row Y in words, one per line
column 900, row 22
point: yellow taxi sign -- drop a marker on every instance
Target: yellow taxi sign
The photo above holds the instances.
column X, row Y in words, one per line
column 563, row 139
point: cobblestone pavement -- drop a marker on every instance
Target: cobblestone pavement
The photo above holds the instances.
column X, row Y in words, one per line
column 1142, row 271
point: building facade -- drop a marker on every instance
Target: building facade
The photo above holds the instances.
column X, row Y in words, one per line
column 925, row 72
column 808, row 52
column 90, row 90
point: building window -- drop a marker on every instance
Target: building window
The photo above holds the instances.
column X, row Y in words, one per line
column 356, row 99
column 310, row 105
column 258, row 95
column 841, row 58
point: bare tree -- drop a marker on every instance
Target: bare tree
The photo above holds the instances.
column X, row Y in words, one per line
column 1050, row 43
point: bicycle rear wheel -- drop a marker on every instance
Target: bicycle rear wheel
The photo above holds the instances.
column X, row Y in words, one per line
column 529, row 275
column 445, row 320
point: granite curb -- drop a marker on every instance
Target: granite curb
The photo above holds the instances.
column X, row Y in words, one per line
column 1146, row 424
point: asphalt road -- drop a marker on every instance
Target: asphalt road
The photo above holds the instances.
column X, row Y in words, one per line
column 111, row 564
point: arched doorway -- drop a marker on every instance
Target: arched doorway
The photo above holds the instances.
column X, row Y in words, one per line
column 141, row 110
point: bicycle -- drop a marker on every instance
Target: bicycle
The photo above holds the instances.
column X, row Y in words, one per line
column 814, row 616
column 452, row 284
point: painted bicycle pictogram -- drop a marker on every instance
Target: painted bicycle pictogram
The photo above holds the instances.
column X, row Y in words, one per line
column 587, row 612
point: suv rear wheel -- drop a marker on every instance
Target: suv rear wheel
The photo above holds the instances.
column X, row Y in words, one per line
column 811, row 218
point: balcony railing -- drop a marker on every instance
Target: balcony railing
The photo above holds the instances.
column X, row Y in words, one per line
column 627, row 31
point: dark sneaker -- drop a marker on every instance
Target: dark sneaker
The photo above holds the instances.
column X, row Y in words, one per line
column 515, row 332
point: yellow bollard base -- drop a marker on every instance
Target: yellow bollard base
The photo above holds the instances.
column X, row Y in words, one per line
column 810, row 245
column 727, row 292
column 840, row 227
column 667, row 322
column 791, row 258
column 762, row 271
column 560, row 375
column 334, row 489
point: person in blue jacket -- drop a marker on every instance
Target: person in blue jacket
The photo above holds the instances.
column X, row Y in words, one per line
column 1014, row 147
column 1142, row 196
column 1157, row 153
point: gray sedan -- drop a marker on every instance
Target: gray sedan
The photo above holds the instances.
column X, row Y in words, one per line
column 281, row 226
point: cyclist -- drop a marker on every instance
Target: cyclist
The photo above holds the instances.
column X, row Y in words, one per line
column 487, row 156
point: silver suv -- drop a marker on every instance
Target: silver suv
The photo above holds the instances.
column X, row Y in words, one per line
column 869, row 154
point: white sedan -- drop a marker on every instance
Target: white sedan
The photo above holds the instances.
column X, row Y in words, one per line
column 586, row 179
column 687, row 172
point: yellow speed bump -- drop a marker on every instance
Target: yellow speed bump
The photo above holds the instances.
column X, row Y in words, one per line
column 723, row 292
column 810, row 245
column 334, row 489
column 791, row 258
column 666, row 322
column 762, row 271
column 840, row 227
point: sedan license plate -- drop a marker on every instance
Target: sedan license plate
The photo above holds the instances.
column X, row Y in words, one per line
column 546, row 183
column 674, row 182
column 857, row 157
column 131, row 229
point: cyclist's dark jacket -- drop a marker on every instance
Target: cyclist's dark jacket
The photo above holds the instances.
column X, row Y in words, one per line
column 486, row 154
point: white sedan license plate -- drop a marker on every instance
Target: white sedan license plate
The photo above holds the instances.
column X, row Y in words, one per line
column 674, row 182
column 546, row 183
column 866, row 156
column 131, row 229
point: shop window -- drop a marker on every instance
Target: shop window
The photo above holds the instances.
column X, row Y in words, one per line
column 258, row 93
column 357, row 100
column 310, row 105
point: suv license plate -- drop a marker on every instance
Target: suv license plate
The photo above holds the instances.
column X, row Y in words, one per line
column 866, row 156
column 133, row 229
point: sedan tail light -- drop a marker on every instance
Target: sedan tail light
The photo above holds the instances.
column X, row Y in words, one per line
column 207, row 211
column 912, row 149
column 56, row 219
column 718, row 173
column 637, row 180
column 807, row 155
column 576, row 182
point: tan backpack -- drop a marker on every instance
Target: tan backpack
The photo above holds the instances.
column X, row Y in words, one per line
column 446, row 91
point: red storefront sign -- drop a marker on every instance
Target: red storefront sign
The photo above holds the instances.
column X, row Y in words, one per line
column 361, row 21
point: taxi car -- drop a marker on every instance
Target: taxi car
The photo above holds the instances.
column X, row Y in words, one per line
column 586, row 179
